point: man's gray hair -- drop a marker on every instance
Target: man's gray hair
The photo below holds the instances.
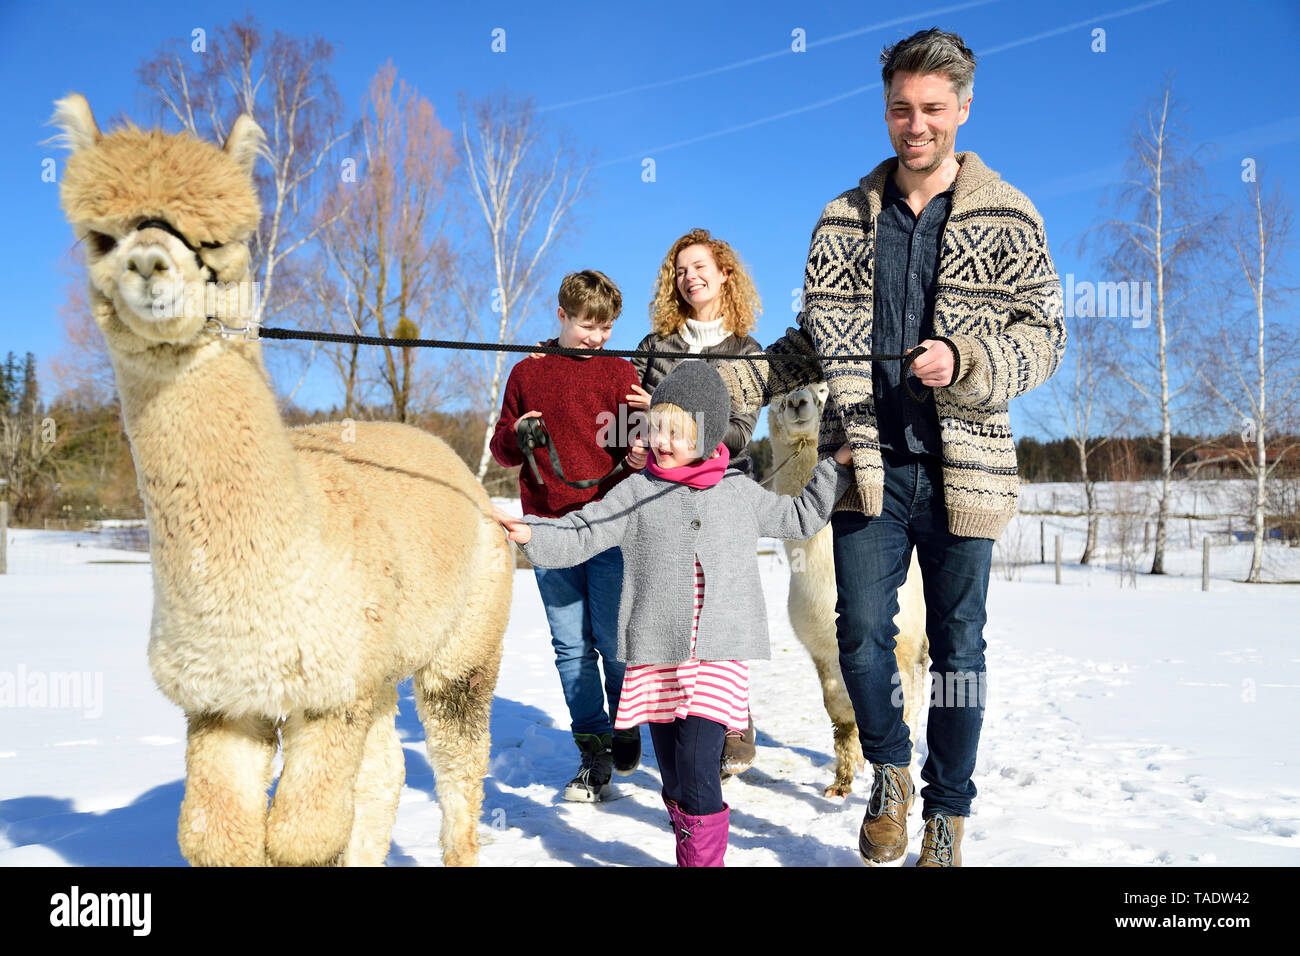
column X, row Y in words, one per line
column 931, row 51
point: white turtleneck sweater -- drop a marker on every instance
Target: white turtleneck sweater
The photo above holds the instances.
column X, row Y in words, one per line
column 702, row 335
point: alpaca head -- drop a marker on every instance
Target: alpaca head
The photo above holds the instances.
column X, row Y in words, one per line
column 798, row 414
column 148, row 286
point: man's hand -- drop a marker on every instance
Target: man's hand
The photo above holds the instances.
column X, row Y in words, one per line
column 934, row 367
column 516, row 530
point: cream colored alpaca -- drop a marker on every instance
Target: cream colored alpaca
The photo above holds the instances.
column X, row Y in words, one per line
column 793, row 421
column 299, row 574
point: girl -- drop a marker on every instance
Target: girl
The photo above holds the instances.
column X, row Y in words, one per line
column 704, row 304
column 692, row 608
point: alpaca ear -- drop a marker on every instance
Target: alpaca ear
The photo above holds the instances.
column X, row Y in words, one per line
column 77, row 124
column 245, row 142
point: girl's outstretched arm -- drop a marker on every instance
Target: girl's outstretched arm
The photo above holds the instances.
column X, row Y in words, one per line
column 781, row 516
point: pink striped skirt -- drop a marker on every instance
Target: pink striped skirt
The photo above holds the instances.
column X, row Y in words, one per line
column 661, row 693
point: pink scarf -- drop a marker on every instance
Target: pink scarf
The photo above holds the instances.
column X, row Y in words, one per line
column 702, row 474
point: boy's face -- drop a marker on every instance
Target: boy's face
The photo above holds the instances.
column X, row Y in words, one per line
column 583, row 332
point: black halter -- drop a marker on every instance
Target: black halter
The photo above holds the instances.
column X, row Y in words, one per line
column 167, row 227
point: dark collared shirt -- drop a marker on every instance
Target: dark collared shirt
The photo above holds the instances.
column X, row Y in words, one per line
column 906, row 261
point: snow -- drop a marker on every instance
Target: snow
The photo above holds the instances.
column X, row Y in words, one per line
column 1124, row 726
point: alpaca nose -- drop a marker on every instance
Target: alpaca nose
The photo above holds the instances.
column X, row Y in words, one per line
column 147, row 260
column 798, row 404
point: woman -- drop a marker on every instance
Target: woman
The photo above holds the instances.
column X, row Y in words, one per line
column 704, row 305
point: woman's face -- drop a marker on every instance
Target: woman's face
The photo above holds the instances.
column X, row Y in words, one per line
column 700, row 281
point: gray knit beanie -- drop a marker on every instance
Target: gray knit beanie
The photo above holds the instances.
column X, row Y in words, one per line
column 695, row 386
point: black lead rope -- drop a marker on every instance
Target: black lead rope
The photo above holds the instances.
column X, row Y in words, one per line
column 532, row 434
column 274, row 333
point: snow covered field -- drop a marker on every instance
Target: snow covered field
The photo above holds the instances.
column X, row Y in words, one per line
column 1123, row 726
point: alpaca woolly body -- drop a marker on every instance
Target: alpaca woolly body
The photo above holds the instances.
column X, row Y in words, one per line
column 812, row 597
column 299, row 574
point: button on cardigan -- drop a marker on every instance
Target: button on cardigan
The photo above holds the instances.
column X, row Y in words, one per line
column 661, row 526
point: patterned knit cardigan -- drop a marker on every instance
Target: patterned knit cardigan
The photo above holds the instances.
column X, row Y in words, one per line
column 997, row 302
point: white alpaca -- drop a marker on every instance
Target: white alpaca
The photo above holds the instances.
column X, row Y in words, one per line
column 299, row 574
column 794, row 421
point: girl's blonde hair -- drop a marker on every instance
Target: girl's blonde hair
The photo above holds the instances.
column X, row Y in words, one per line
column 677, row 421
column 740, row 302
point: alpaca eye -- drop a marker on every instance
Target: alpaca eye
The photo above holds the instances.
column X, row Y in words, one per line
column 100, row 243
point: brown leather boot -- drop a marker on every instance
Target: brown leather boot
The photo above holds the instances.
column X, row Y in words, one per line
column 738, row 750
column 941, row 845
column 883, row 837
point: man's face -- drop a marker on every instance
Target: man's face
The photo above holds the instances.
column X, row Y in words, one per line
column 923, row 115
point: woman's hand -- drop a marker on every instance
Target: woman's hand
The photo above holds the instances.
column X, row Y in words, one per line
column 844, row 455
column 518, row 531
column 638, row 400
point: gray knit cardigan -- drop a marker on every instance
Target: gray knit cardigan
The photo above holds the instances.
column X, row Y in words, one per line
column 997, row 300
column 662, row 526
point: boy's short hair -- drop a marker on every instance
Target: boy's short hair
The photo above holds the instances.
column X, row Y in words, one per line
column 590, row 293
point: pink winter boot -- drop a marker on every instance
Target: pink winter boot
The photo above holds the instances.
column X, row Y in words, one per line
column 701, row 841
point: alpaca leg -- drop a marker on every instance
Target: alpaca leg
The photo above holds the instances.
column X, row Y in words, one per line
column 912, row 657
column 310, row 822
column 455, row 713
column 227, row 773
column 848, row 749
column 379, row 786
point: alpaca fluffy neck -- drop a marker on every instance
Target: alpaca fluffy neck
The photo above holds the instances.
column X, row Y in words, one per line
column 225, row 500
column 797, row 472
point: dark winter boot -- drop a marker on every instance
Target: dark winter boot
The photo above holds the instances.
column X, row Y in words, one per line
column 592, row 782
column 627, row 750
column 701, row 841
column 941, row 845
column 884, row 828
column 738, row 750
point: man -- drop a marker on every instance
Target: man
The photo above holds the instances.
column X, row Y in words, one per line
column 931, row 249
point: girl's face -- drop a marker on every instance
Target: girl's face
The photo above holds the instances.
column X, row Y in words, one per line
column 700, row 281
column 672, row 442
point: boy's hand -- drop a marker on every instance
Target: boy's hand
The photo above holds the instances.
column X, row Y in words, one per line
column 638, row 399
column 528, row 415
column 637, row 455
column 844, row 455
column 518, row 531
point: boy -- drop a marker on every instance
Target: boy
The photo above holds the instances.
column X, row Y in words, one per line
column 575, row 398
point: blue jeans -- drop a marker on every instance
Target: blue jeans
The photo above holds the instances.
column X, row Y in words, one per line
column 872, row 555
column 582, row 608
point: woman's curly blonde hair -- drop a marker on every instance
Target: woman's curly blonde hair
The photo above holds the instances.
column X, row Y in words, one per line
column 740, row 303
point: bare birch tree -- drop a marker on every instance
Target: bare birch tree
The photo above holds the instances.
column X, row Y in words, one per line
column 1086, row 405
column 1257, row 385
column 286, row 86
column 389, row 259
column 523, row 182
column 1158, row 246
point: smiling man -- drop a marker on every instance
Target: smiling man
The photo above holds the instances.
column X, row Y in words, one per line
column 930, row 249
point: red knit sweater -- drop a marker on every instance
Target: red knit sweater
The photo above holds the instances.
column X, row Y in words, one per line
column 571, row 394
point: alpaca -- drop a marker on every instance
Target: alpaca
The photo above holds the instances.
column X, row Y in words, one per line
column 794, row 421
column 299, row 574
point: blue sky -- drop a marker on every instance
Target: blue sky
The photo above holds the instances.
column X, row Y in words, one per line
column 749, row 138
